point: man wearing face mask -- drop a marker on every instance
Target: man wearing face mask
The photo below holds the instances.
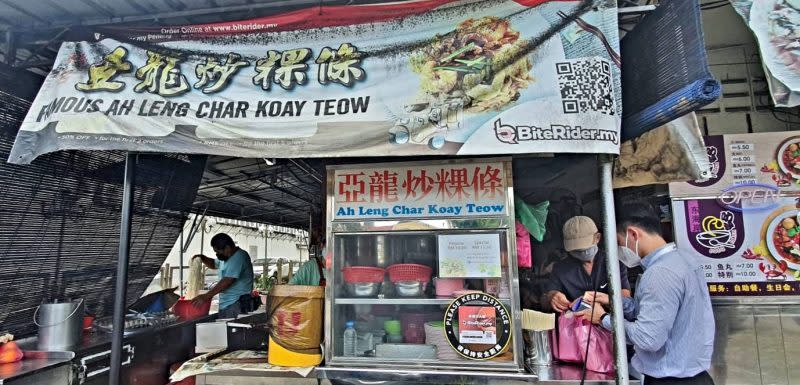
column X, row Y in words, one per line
column 235, row 286
column 669, row 322
column 585, row 269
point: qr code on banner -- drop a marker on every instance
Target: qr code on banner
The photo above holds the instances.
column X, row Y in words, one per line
column 586, row 86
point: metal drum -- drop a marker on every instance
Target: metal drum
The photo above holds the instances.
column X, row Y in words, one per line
column 60, row 325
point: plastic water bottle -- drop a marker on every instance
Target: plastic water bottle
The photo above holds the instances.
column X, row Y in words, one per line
column 350, row 339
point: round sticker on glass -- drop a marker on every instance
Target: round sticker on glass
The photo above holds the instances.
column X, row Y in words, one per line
column 478, row 326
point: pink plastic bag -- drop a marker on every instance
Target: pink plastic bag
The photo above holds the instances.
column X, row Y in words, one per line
column 523, row 246
column 601, row 348
column 566, row 346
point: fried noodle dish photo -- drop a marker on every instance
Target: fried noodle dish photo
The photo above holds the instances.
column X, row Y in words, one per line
column 481, row 62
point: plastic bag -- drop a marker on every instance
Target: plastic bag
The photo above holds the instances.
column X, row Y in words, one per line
column 10, row 352
column 524, row 258
column 567, row 347
column 533, row 217
column 601, row 349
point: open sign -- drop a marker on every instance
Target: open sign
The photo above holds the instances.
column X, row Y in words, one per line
column 749, row 197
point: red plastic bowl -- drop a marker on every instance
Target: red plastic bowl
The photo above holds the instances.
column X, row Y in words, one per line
column 186, row 311
column 409, row 272
column 363, row 274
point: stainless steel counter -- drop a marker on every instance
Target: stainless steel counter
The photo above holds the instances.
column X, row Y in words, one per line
column 38, row 368
column 756, row 341
column 555, row 374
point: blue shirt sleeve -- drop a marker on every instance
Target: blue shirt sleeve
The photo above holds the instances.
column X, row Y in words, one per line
column 217, row 262
column 233, row 266
column 628, row 309
column 659, row 301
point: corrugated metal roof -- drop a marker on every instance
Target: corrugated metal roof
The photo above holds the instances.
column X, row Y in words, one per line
column 285, row 193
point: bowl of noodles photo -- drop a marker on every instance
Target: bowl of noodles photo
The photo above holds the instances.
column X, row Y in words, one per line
column 788, row 157
column 783, row 237
column 483, row 62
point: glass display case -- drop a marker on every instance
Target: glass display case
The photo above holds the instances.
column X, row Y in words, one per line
column 421, row 283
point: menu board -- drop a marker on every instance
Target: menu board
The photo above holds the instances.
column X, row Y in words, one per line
column 742, row 221
column 769, row 159
column 469, row 256
column 745, row 252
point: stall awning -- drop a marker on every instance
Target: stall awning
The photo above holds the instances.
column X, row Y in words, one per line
column 429, row 77
column 60, row 221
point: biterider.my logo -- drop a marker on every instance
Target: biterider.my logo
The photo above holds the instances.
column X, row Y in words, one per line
column 514, row 134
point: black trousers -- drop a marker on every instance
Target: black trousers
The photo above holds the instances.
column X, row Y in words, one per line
column 701, row 379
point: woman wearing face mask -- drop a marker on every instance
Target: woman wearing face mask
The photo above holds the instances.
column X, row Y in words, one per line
column 585, row 269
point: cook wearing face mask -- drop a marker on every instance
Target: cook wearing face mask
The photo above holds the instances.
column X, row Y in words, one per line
column 670, row 321
column 585, row 268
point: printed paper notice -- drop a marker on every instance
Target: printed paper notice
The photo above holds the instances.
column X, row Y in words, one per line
column 469, row 256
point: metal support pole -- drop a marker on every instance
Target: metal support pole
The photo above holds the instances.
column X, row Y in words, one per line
column 180, row 273
column 121, row 286
column 266, row 253
column 612, row 261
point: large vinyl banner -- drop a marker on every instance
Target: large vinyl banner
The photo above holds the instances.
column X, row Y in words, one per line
column 776, row 24
column 437, row 77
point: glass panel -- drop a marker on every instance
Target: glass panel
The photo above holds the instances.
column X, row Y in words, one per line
column 388, row 285
column 408, row 332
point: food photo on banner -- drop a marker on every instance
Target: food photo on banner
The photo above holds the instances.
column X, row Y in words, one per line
column 744, row 220
column 436, row 77
column 775, row 24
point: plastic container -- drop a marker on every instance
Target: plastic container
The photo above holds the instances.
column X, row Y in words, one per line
column 280, row 356
column 363, row 274
column 350, row 340
column 187, row 311
column 88, row 321
column 446, row 286
column 295, row 314
column 409, row 272
column 392, row 327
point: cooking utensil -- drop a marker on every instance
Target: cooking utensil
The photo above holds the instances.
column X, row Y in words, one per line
column 409, row 288
column 537, row 347
column 60, row 325
column 363, row 289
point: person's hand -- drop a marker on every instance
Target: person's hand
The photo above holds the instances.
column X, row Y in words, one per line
column 559, row 302
column 594, row 315
column 201, row 299
column 591, row 297
column 201, row 256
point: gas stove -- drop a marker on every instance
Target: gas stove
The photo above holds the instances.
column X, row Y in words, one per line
column 138, row 322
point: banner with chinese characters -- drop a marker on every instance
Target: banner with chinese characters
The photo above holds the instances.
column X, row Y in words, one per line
column 749, row 247
column 430, row 77
column 450, row 190
column 770, row 161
